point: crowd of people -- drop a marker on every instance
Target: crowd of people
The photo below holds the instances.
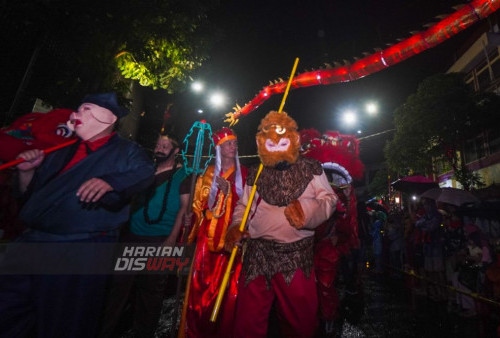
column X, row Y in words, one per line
column 80, row 205
column 440, row 252
column 72, row 210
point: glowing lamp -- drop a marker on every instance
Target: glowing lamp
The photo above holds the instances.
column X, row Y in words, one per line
column 197, row 87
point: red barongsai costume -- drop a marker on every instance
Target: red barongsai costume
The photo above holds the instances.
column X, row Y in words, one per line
column 339, row 155
column 30, row 131
column 34, row 131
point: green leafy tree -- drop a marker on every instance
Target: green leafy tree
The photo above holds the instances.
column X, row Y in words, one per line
column 379, row 185
column 90, row 46
column 435, row 122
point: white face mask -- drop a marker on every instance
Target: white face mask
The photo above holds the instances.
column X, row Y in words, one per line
column 90, row 120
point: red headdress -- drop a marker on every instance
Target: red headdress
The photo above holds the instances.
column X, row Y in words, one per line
column 219, row 137
column 222, row 135
column 307, row 136
column 334, row 149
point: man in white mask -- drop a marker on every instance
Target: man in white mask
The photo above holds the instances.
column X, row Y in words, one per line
column 78, row 194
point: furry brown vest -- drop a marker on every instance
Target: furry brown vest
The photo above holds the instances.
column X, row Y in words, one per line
column 280, row 187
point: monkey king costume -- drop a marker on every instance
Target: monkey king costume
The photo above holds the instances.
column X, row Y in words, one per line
column 292, row 198
column 213, row 211
column 338, row 236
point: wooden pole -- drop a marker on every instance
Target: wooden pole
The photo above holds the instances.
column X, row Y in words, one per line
column 46, row 151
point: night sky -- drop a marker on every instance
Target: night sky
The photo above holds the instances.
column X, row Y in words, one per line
column 259, row 43
column 263, row 38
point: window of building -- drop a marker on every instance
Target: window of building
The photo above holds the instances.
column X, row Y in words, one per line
column 470, row 80
column 481, row 65
column 483, row 79
column 495, row 66
column 474, row 149
column 442, row 166
column 494, row 141
column 493, row 54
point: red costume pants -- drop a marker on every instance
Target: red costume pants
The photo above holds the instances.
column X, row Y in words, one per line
column 326, row 263
column 208, row 272
column 296, row 305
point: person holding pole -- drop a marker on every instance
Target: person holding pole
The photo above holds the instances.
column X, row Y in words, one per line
column 292, row 198
column 76, row 199
column 216, row 195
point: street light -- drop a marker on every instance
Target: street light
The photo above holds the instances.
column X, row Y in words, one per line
column 197, row 86
column 217, row 99
column 350, row 117
column 371, row 108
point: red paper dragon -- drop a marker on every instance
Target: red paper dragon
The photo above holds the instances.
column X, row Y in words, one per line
column 465, row 16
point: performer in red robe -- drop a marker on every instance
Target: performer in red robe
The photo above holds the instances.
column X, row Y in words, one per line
column 216, row 194
column 336, row 239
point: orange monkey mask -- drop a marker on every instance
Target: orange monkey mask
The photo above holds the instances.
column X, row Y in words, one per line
column 278, row 141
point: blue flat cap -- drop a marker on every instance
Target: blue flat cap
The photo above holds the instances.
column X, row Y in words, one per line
column 108, row 101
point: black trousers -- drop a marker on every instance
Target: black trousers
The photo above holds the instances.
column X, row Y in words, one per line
column 56, row 304
column 145, row 292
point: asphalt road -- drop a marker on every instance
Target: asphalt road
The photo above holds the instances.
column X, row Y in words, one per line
column 389, row 309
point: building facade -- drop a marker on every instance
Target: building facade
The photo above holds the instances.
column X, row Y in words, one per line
column 479, row 60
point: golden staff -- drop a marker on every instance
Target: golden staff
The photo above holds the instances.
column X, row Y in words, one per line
column 182, row 324
column 225, row 280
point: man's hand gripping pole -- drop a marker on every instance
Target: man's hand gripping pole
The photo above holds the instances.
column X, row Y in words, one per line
column 234, row 251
